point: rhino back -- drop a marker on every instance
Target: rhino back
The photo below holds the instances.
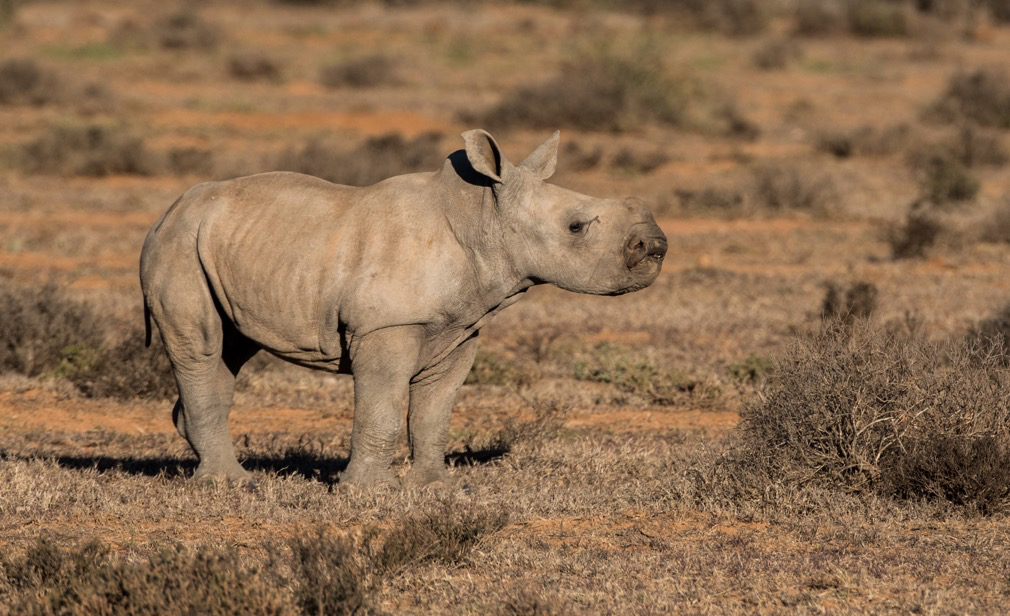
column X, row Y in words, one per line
column 295, row 262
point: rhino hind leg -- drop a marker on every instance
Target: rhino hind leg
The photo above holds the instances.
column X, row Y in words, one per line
column 206, row 355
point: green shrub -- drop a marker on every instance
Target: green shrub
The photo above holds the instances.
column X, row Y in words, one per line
column 876, row 18
column 865, row 409
column 491, row 370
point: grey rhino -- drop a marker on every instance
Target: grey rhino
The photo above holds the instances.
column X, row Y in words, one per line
column 391, row 283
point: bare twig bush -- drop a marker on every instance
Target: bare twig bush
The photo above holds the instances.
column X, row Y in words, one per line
column 863, row 409
column 367, row 72
column 376, row 159
column 332, row 575
column 24, row 82
column 981, row 96
column 88, row 150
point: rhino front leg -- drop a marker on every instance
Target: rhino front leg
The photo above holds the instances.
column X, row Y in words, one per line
column 432, row 395
column 383, row 364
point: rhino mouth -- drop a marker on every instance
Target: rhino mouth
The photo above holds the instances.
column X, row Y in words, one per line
column 639, row 250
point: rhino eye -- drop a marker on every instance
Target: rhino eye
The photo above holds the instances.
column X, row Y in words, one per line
column 577, row 227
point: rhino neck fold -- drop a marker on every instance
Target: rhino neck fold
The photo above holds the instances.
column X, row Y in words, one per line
column 469, row 207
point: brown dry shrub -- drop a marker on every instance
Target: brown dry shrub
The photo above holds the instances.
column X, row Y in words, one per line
column 981, row 96
column 186, row 30
column 88, row 150
column 865, row 141
column 367, row 72
column 866, row 409
column 792, row 187
column 49, row 579
column 876, row 18
column 124, row 371
column 919, row 232
column 847, row 305
column 605, row 91
column 943, row 179
column 997, row 227
column 376, row 159
column 41, row 326
column 818, row 18
column 24, row 82
column 253, row 66
column 331, row 574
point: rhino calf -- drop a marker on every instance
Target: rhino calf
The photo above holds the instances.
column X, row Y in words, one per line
column 390, row 283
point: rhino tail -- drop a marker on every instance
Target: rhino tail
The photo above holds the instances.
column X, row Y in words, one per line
column 147, row 325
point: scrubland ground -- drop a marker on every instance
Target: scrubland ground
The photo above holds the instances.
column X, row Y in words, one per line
column 815, row 165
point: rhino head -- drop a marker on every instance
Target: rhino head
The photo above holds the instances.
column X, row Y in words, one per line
column 558, row 236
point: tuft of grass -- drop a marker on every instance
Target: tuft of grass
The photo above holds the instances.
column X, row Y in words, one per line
column 602, row 91
column 446, row 534
column 613, row 364
column 981, row 96
column 90, row 150
column 863, row 409
column 24, row 82
column 914, row 238
column 332, row 577
column 366, row 72
column 858, row 301
column 376, row 159
column 39, row 327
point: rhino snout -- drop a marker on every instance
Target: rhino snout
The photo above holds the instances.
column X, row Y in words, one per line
column 645, row 244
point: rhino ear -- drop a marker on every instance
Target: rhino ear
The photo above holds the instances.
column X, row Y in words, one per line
column 544, row 159
column 484, row 154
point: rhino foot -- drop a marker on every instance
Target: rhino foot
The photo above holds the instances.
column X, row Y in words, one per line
column 368, row 476
column 429, row 476
column 232, row 474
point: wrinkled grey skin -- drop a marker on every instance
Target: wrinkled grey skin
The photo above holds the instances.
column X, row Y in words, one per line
column 390, row 283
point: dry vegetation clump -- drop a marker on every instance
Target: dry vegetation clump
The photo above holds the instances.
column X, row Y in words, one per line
column 997, row 227
column 981, row 96
column 865, row 141
column 792, row 187
column 88, row 150
column 616, row 365
column 848, row 305
column 943, row 179
column 49, row 579
column 976, row 147
column 186, row 30
column 333, row 577
column 366, row 72
column 863, row 409
column 637, row 162
column 376, row 159
column 776, row 54
column 47, row 334
column 190, row 161
column 253, row 66
column 914, row 238
column 24, row 82
column 602, row 91
column 876, row 18
column 40, row 326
